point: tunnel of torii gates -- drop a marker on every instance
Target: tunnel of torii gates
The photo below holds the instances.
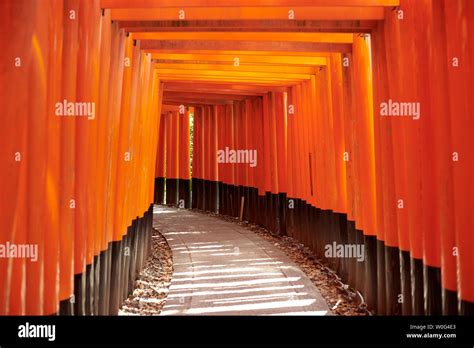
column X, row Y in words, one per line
column 331, row 121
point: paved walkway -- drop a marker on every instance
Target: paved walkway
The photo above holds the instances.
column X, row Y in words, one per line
column 221, row 268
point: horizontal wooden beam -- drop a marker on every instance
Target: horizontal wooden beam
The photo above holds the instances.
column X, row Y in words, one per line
column 212, row 96
column 231, row 81
column 250, row 13
column 281, row 69
column 220, row 91
column 243, row 59
column 246, row 46
column 338, row 38
column 197, row 101
column 343, row 26
column 236, row 3
column 232, row 74
column 165, row 108
column 220, row 87
column 212, row 88
column 238, row 53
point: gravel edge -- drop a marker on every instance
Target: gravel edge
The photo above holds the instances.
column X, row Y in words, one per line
column 152, row 285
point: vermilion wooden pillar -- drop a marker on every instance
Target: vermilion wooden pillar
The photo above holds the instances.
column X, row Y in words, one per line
column 67, row 163
column 429, row 188
column 172, row 159
column 281, row 150
column 195, row 176
column 291, row 167
column 160, row 172
column 213, row 168
column 206, row 184
column 460, row 46
column 252, row 136
column 261, row 167
column 184, row 169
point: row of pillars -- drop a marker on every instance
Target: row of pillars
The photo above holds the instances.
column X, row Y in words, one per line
column 77, row 189
column 333, row 166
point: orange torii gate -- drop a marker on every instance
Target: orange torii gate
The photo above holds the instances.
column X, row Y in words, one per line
column 337, row 122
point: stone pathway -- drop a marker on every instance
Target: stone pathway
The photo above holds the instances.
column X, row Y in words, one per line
column 221, row 268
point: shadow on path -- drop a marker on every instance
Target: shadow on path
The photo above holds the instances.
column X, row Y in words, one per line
column 221, row 268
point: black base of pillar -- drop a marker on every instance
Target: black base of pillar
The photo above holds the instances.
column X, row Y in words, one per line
column 80, row 294
column 392, row 279
column 351, row 239
column 317, row 237
column 246, row 195
column 405, row 282
column 432, row 290
column 207, row 196
column 229, row 200
column 116, row 277
column 159, row 190
column 260, row 218
column 222, row 204
column 381, row 279
column 253, row 204
column 298, row 231
column 343, row 239
column 66, row 307
column 134, row 235
column 104, row 282
column 203, row 194
column 466, row 308
column 171, row 191
column 213, row 196
column 235, row 201
column 417, row 299
column 196, row 193
column 96, row 287
column 126, row 256
column 184, row 194
column 314, row 244
column 370, row 290
column 449, row 301
column 89, row 289
column 290, row 216
column 360, row 266
column 281, row 214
